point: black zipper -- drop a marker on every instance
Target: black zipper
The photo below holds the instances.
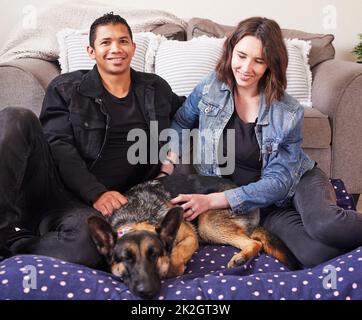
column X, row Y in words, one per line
column 99, row 101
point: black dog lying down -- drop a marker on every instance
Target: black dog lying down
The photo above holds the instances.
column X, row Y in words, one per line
column 147, row 240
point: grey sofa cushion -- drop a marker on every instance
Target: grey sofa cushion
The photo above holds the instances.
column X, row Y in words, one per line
column 23, row 83
column 171, row 31
column 322, row 48
column 198, row 27
column 316, row 130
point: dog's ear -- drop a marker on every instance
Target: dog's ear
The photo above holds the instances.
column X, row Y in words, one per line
column 168, row 229
column 102, row 235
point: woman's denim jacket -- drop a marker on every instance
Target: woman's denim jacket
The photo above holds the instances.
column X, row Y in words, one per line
column 278, row 131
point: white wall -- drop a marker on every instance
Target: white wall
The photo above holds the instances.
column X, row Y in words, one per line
column 307, row 15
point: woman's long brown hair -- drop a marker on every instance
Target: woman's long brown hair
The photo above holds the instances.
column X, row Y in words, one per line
column 275, row 56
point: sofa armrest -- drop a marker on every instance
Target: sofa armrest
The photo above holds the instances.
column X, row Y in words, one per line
column 23, row 83
column 336, row 92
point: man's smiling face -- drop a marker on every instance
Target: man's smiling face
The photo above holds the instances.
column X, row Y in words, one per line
column 113, row 49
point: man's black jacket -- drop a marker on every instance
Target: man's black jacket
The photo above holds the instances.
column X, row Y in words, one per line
column 75, row 122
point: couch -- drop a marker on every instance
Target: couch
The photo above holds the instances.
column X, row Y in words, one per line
column 332, row 128
column 331, row 137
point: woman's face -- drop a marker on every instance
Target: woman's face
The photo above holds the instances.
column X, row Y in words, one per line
column 247, row 63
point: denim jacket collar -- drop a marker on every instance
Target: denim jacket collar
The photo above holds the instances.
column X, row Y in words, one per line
column 224, row 87
column 263, row 116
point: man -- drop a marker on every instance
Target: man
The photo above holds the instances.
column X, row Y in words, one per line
column 54, row 171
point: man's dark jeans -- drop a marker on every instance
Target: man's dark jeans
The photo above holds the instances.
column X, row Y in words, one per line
column 313, row 227
column 33, row 197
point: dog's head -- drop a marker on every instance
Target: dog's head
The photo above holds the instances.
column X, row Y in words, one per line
column 140, row 258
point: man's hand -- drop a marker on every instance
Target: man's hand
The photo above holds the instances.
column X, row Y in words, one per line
column 166, row 168
column 109, row 201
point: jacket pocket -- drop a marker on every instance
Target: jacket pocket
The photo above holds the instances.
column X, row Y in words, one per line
column 208, row 108
column 89, row 135
column 269, row 150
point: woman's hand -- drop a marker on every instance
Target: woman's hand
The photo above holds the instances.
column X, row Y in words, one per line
column 195, row 204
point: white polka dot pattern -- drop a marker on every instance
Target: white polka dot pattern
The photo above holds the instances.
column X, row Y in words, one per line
column 73, row 282
column 205, row 278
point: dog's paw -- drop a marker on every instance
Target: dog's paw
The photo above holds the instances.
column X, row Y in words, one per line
column 236, row 261
column 176, row 270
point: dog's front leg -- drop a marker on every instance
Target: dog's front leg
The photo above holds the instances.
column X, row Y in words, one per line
column 186, row 243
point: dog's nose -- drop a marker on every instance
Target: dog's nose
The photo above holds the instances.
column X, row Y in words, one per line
column 145, row 292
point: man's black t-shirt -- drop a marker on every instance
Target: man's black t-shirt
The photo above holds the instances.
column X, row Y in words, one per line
column 113, row 169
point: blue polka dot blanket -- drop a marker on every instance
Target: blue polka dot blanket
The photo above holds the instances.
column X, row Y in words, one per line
column 29, row 277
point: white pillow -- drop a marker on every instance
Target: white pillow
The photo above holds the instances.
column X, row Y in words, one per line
column 299, row 76
column 183, row 64
column 73, row 53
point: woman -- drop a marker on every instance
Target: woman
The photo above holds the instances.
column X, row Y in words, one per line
column 247, row 93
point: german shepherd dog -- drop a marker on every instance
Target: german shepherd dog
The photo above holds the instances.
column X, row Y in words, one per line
column 147, row 239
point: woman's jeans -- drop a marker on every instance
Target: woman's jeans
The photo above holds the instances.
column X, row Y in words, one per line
column 313, row 227
column 33, row 197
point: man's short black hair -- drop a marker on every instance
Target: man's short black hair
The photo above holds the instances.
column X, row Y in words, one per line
column 108, row 18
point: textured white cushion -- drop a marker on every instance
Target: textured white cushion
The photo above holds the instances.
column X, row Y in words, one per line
column 73, row 53
column 299, row 76
column 184, row 64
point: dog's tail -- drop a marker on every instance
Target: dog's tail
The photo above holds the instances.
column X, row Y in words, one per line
column 273, row 246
